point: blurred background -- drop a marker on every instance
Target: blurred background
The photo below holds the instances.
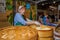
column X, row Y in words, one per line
column 34, row 9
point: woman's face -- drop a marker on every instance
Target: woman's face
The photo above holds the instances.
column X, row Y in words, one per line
column 22, row 11
column 45, row 15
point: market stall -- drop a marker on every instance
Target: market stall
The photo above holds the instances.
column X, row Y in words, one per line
column 28, row 31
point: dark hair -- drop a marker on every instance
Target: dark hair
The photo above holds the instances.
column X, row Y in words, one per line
column 45, row 13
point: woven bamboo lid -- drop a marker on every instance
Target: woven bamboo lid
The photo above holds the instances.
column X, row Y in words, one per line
column 17, row 33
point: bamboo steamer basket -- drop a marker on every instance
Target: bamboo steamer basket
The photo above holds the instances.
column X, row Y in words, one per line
column 18, row 33
column 44, row 32
column 45, row 38
column 56, row 35
column 33, row 26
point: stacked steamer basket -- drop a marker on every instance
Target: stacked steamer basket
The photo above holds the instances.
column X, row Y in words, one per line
column 45, row 33
column 18, row 33
column 57, row 33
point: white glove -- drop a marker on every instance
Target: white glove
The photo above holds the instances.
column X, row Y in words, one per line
column 37, row 23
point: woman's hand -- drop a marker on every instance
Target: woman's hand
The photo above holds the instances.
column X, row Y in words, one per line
column 37, row 23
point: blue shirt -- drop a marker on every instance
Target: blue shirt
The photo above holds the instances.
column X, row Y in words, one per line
column 19, row 18
column 44, row 20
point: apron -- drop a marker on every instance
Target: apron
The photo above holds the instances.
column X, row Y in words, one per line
column 19, row 24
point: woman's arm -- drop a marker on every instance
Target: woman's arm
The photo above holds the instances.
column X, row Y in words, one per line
column 29, row 22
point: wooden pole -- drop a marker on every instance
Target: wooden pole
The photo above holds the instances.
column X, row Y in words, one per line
column 14, row 10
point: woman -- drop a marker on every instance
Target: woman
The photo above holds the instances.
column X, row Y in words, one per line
column 19, row 20
column 46, row 20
